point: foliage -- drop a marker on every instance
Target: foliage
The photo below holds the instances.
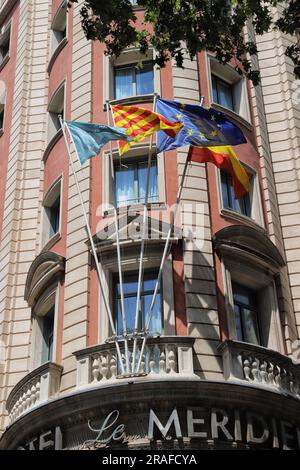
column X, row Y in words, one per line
column 176, row 28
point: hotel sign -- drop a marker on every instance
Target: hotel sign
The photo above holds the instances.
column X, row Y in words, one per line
column 215, row 424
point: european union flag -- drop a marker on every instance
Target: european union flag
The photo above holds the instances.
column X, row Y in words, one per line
column 202, row 127
column 88, row 139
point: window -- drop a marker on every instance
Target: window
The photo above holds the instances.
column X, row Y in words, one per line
column 242, row 205
column 54, row 217
column 59, row 26
column 246, row 314
column 130, row 287
column 1, row 116
column 222, row 93
column 52, row 212
column 4, row 43
column 251, row 264
column 132, row 81
column 55, row 108
column 228, row 89
column 47, row 327
column 130, row 183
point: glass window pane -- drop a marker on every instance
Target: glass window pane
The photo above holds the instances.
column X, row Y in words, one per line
column 54, row 217
column 250, row 324
column 225, row 95
column 124, row 78
column 130, row 296
column 225, row 190
column 238, row 323
column 214, row 89
column 156, row 322
column 145, row 80
column 142, row 181
column 242, row 205
column 125, row 192
column 47, row 332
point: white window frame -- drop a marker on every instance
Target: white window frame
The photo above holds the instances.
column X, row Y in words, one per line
column 131, row 264
column 56, row 106
column 129, row 57
column 50, row 197
column 257, row 216
column 239, row 88
column 49, row 299
column 263, row 283
column 60, row 17
column 108, row 182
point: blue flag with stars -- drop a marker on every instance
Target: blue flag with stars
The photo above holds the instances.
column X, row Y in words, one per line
column 202, row 127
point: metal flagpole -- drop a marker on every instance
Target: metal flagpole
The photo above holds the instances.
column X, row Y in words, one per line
column 138, row 298
column 164, row 256
column 62, row 124
column 165, row 253
column 123, row 313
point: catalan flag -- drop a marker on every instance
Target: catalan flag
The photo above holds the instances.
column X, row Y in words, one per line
column 141, row 123
column 225, row 159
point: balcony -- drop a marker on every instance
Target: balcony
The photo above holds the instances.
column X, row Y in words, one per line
column 36, row 388
column 260, row 367
column 169, row 357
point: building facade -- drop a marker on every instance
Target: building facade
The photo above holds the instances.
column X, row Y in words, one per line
column 220, row 368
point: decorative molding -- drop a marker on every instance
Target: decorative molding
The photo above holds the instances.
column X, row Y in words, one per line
column 250, row 244
column 42, row 270
column 51, row 144
column 233, row 116
column 56, row 53
column 231, row 214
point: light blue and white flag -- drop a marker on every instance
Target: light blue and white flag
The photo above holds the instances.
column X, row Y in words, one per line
column 89, row 139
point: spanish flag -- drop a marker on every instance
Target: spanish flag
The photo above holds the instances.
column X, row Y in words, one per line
column 141, row 123
column 225, row 159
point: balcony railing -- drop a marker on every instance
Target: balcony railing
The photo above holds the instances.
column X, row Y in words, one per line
column 260, row 367
column 34, row 389
column 164, row 357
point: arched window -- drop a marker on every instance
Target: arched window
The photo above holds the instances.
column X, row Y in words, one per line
column 42, row 294
column 250, row 264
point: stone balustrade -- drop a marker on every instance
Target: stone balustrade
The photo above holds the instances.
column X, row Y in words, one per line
column 34, row 389
column 261, row 367
column 164, row 357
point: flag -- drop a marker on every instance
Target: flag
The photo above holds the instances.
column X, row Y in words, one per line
column 89, row 139
column 201, row 127
column 141, row 123
column 225, row 159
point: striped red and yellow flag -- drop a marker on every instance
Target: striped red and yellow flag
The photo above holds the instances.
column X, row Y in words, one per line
column 225, row 159
column 141, row 123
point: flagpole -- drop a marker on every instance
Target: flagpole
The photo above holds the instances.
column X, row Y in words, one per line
column 138, row 298
column 62, row 125
column 123, row 312
column 164, row 256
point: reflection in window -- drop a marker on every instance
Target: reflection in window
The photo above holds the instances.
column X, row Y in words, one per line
column 130, row 287
column 132, row 81
column 4, row 44
column 246, row 314
column 222, row 92
column 130, row 183
column 48, row 332
column 1, row 116
column 242, row 205
column 54, row 217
